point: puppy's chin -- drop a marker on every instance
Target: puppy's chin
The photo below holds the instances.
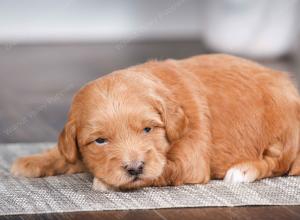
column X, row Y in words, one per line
column 100, row 185
column 135, row 184
column 132, row 184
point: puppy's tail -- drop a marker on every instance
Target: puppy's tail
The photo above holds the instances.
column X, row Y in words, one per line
column 295, row 168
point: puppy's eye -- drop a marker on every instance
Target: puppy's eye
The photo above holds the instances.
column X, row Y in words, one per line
column 101, row 141
column 147, row 129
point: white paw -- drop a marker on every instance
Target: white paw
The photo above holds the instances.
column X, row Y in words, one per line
column 98, row 185
column 242, row 174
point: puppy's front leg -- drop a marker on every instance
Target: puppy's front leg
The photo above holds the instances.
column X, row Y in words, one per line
column 47, row 163
column 188, row 163
column 99, row 185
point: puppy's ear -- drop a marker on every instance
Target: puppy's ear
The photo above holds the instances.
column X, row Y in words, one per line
column 174, row 117
column 67, row 142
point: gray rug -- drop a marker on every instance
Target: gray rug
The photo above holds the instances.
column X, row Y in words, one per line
column 73, row 192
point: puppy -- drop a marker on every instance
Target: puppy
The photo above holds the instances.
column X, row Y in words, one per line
column 178, row 122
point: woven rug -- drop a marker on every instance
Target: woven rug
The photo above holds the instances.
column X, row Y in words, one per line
column 69, row 193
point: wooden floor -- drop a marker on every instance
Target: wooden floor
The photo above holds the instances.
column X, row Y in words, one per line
column 237, row 213
column 37, row 83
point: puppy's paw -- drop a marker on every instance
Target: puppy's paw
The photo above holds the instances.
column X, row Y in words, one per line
column 244, row 173
column 27, row 167
column 98, row 185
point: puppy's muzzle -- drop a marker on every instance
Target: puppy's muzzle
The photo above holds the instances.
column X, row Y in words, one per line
column 135, row 168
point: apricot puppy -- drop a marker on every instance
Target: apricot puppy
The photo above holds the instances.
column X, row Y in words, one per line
column 178, row 122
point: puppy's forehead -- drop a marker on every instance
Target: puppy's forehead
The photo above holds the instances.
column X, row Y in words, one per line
column 112, row 96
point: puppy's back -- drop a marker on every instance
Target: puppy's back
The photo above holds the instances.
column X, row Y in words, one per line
column 250, row 106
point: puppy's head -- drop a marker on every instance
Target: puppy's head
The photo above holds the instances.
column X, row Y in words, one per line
column 122, row 129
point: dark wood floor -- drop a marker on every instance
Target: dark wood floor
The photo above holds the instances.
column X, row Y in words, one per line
column 237, row 213
column 37, row 83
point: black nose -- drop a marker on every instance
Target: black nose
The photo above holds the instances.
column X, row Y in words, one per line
column 135, row 168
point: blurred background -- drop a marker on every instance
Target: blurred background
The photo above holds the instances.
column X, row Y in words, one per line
column 50, row 48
